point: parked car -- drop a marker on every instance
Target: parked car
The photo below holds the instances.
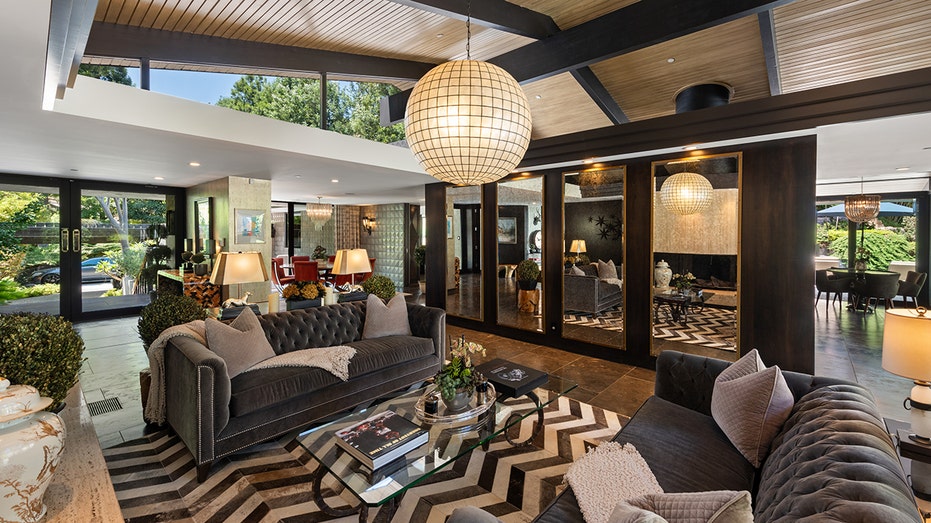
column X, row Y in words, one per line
column 89, row 273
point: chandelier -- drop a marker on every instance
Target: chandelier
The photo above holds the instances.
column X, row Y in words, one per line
column 862, row 207
column 319, row 213
column 686, row 193
column 467, row 121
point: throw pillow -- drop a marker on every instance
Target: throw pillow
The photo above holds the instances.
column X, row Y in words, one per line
column 576, row 271
column 241, row 344
column 606, row 474
column 750, row 403
column 624, row 512
column 590, row 269
column 719, row 506
column 385, row 320
column 607, row 270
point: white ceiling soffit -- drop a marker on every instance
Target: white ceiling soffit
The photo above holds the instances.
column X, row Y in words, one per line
column 906, row 183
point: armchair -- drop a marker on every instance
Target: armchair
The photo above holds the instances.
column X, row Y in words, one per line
column 911, row 286
column 836, row 283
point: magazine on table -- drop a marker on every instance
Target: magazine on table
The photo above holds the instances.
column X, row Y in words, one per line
column 380, row 439
column 512, row 379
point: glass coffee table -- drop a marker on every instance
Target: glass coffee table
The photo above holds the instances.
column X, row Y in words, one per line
column 451, row 437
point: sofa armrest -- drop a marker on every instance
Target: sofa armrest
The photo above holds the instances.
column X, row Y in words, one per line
column 197, row 395
column 429, row 322
column 686, row 379
column 580, row 292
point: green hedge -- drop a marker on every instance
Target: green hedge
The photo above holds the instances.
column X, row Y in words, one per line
column 884, row 246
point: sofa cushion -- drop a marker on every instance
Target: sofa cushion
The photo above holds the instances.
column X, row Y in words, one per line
column 704, row 459
column 590, row 269
column 262, row 388
column 718, row 506
column 624, row 512
column 241, row 344
column 386, row 319
column 606, row 474
column 834, row 461
column 575, row 271
column 607, row 270
column 750, row 403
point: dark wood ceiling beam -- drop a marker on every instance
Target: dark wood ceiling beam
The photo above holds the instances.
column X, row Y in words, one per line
column 122, row 41
column 770, row 52
column 600, row 95
column 628, row 29
column 880, row 97
column 496, row 14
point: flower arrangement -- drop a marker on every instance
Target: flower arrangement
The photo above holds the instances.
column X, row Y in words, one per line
column 682, row 282
column 457, row 373
column 303, row 290
column 319, row 253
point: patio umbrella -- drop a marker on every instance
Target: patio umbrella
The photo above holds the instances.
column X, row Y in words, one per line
column 885, row 209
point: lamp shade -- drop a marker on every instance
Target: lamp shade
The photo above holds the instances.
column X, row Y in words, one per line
column 238, row 267
column 577, row 246
column 907, row 344
column 686, row 193
column 351, row 261
column 468, row 122
column 862, row 207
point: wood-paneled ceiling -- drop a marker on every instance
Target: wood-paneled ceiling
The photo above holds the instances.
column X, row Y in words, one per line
column 584, row 64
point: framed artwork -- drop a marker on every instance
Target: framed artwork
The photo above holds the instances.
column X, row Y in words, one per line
column 449, row 227
column 203, row 223
column 250, row 226
column 507, row 229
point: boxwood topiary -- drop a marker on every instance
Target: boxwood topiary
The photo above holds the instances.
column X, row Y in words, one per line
column 167, row 310
column 381, row 286
column 40, row 350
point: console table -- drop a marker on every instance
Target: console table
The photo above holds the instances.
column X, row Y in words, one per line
column 189, row 284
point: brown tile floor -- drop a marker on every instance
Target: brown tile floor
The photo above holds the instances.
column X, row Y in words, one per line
column 847, row 345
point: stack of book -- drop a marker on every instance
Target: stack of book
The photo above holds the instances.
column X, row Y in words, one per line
column 380, row 439
column 511, row 379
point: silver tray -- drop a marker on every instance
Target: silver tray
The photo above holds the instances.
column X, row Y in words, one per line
column 480, row 403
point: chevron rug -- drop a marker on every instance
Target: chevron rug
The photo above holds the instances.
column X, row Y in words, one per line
column 155, row 478
column 712, row 327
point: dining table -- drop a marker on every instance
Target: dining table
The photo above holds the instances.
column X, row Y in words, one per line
column 854, row 297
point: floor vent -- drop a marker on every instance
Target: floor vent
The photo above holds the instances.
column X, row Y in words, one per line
column 97, row 408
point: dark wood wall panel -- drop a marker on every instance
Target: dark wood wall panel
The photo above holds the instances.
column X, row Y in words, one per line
column 777, row 272
column 638, row 266
column 435, row 202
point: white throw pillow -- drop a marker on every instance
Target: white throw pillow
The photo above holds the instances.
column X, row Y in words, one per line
column 575, row 271
column 607, row 270
column 606, row 474
column 386, row 320
column 750, row 403
column 241, row 344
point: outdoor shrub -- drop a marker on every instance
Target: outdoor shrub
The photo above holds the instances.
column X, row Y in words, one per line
column 884, row 246
column 381, row 286
column 166, row 311
column 40, row 350
column 420, row 255
column 9, row 290
column 527, row 270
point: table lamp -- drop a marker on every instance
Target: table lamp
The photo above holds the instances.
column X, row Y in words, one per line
column 238, row 268
column 907, row 352
column 351, row 261
column 578, row 247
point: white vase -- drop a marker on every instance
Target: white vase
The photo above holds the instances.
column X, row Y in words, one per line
column 31, row 442
column 662, row 274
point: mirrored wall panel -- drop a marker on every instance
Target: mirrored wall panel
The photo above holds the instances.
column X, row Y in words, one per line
column 520, row 253
column 593, row 233
column 696, row 231
column 464, row 252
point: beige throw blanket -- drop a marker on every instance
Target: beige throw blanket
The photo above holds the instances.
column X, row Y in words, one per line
column 155, row 408
column 334, row 360
column 609, row 473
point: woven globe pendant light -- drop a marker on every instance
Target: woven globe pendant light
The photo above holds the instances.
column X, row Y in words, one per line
column 686, row 193
column 468, row 122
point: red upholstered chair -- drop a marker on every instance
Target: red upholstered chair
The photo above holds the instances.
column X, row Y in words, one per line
column 341, row 279
column 362, row 276
column 331, row 259
column 306, row 271
column 279, row 278
column 299, row 258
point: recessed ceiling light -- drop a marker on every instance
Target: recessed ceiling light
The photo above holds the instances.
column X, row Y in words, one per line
column 297, row 175
column 194, row 164
column 588, row 161
column 334, row 180
column 670, row 60
column 539, row 96
column 690, row 148
column 902, row 169
column 439, row 35
column 74, row 170
column 159, row 178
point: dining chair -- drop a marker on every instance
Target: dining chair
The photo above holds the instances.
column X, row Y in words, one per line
column 279, row 278
column 879, row 286
column 911, row 286
column 828, row 283
column 306, row 271
column 362, row 276
column 299, row 258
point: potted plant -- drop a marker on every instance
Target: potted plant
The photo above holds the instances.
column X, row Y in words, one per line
column 682, row 282
column 198, row 259
column 319, row 253
column 456, row 380
column 42, row 351
column 303, row 294
column 863, row 258
column 166, row 311
column 381, row 286
column 527, row 274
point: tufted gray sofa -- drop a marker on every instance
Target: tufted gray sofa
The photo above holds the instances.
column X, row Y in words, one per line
column 832, row 461
column 215, row 415
column 589, row 294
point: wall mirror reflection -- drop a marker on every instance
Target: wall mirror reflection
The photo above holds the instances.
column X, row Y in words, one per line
column 696, row 231
column 520, row 253
column 464, row 252
column 593, row 233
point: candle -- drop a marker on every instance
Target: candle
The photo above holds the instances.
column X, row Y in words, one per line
column 273, row 302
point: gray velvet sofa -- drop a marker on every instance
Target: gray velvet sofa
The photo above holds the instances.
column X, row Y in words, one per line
column 589, row 294
column 216, row 416
column 833, row 460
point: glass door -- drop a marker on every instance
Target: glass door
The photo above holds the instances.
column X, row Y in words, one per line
column 30, row 271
